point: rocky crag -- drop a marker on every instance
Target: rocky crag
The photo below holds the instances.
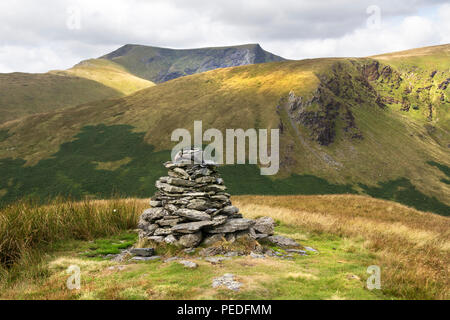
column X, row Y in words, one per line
column 192, row 207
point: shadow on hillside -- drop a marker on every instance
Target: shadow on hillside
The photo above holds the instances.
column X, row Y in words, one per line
column 104, row 161
column 403, row 191
column 443, row 168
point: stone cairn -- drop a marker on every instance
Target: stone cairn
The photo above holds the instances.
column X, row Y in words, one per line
column 191, row 207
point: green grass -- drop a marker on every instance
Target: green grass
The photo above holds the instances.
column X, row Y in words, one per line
column 69, row 149
column 110, row 74
column 26, row 226
column 350, row 233
column 83, row 168
column 324, row 275
column 25, row 94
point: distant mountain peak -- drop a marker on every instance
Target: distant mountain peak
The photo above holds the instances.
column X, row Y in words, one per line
column 163, row 64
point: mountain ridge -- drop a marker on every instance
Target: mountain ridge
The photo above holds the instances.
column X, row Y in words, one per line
column 103, row 78
column 349, row 132
column 175, row 63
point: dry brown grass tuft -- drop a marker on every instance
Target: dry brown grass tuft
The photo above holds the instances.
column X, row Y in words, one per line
column 26, row 226
column 411, row 247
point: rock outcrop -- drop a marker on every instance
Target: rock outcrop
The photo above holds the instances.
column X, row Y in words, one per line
column 191, row 206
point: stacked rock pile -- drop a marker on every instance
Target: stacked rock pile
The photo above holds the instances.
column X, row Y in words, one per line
column 191, row 207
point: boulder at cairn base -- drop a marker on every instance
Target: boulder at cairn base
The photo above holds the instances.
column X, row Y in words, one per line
column 192, row 205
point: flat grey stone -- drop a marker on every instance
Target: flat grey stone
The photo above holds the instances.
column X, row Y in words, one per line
column 191, row 227
column 145, row 258
column 188, row 264
column 168, row 222
column 198, row 204
column 231, row 254
column 298, row 251
column 193, row 214
column 156, row 238
column 142, row 252
column 171, row 259
column 169, row 188
column 216, row 260
column 162, row 232
column 232, row 225
column 180, row 182
column 228, row 281
column 256, row 255
column 310, row 249
column 282, row 241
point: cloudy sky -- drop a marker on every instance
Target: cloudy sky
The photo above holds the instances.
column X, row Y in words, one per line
column 37, row 36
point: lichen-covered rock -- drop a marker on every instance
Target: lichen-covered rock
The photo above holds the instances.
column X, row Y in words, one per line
column 153, row 214
column 191, row 227
column 232, row 225
column 282, row 241
column 193, row 215
column 190, row 240
column 264, row 225
column 212, row 239
column 230, row 210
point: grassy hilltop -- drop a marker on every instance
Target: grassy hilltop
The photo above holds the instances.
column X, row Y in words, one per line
column 350, row 233
column 117, row 74
column 378, row 126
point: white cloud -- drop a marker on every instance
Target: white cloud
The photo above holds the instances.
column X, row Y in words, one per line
column 36, row 36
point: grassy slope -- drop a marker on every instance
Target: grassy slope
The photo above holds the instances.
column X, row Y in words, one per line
column 160, row 64
column 395, row 150
column 24, row 94
column 350, row 233
column 117, row 74
column 110, row 74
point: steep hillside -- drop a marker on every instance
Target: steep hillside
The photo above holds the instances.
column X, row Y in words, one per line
column 23, row 94
column 341, row 132
column 110, row 74
column 117, row 74
column 163, row 64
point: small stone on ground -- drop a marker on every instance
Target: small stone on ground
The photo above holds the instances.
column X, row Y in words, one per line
column 188, row 264
column 228, row 281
